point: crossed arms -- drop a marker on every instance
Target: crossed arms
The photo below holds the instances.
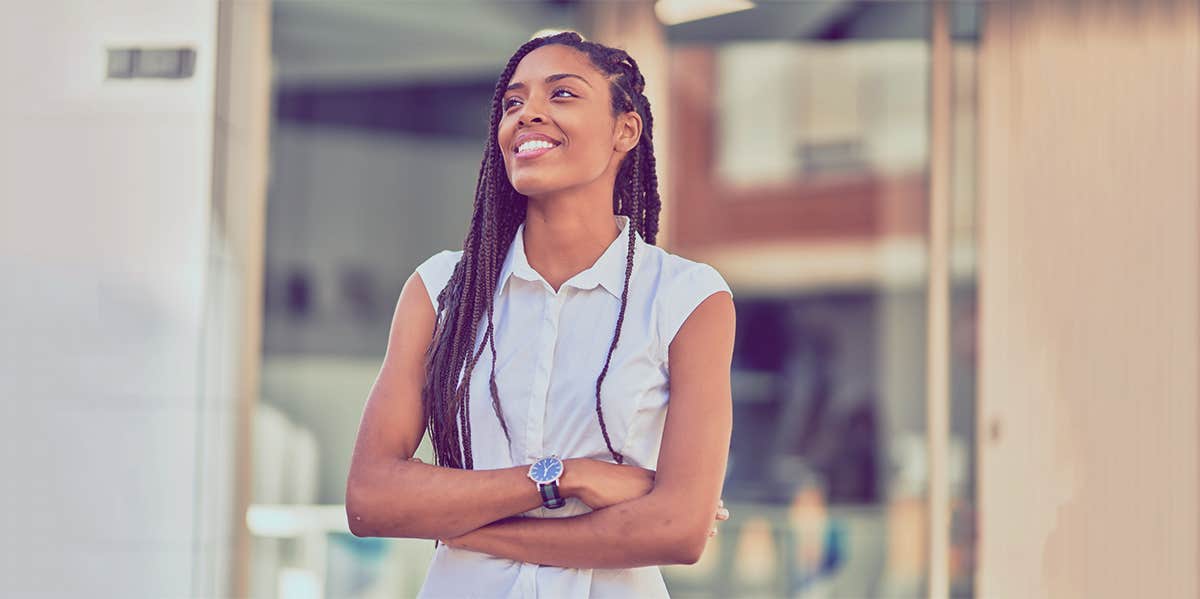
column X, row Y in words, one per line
column 387, row 494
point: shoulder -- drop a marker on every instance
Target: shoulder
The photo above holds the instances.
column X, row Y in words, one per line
column 668, row 270
column 683, row 272
column 682, row 285
column 441, row 259
column 435, row 272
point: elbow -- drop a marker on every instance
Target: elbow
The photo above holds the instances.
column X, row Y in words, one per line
column 688, row 546
column 357, row 511
column 364, row 503
column 680, row 540
column 359, row 527
column 374, row 511
column 688, row 551
column 359, row 530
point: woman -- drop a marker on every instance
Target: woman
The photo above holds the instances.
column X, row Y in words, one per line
column 576, row 480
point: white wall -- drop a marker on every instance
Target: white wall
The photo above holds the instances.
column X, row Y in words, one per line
column 116, row 374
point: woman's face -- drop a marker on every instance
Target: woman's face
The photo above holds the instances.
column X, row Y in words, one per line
column 556, row 127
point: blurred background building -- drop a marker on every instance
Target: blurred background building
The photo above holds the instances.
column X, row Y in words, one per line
column 963, row 237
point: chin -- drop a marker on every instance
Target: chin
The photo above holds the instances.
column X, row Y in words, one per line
column 529, row 187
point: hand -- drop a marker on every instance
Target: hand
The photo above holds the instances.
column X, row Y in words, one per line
column 722, row 514
column 599, row 484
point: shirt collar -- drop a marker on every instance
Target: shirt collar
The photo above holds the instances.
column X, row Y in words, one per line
column 608, row 271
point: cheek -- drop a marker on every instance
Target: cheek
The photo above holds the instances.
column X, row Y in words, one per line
column 591, row 143
column 502, row 138
column 504, row 131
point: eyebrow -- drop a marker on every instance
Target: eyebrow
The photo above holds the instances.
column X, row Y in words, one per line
column 549, row 79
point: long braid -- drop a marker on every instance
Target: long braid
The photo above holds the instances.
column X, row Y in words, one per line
column 499, row 211
column 460, row 302
column 633, row 194
column 643, row 208
column 487, row 265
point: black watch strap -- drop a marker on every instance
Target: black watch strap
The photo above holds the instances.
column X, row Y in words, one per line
column 550, row 496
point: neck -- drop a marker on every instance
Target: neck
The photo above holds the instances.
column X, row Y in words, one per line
column 565, row 234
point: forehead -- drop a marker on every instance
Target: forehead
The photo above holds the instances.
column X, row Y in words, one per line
column 554, row 58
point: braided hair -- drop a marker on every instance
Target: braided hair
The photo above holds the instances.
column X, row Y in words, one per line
column 499, row 211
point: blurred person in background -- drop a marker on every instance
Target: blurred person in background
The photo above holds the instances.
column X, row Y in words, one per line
column 559, row 284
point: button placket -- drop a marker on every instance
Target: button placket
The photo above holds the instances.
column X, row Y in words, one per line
column 527, row 575
column 535, row 433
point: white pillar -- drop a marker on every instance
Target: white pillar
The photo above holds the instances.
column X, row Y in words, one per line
column 1089, row 305
column 123, row 311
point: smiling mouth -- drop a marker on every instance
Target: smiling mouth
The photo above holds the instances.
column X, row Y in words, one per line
column 534, row 150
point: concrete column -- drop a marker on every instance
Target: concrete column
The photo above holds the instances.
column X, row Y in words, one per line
column 127, row 313
column 1089, row 305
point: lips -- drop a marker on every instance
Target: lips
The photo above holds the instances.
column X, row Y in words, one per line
column 536, row 151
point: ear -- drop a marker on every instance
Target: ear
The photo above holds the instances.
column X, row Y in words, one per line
column 628, row 131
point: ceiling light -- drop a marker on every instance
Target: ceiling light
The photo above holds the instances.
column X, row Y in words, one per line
column 674, row 12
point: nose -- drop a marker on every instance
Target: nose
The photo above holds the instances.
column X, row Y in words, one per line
column 530, row 113
column 526, row 119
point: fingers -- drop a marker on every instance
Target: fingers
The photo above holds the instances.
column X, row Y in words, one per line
column 722, row 514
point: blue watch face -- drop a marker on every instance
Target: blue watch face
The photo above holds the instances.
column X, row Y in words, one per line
column 546, row 470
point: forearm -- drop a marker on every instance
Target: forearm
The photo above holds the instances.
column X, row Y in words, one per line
column 635, row 533
column 402, row 498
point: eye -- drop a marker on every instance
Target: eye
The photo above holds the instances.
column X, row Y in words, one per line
column 508, row 103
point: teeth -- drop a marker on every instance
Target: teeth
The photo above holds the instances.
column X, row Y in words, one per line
column 535, row 144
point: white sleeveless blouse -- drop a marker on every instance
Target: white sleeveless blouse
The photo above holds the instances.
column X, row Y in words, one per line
column 550, row 348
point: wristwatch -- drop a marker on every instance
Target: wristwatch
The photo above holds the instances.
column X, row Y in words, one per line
column 545, row 474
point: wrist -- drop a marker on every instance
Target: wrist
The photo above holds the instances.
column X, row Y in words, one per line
column 570, row 483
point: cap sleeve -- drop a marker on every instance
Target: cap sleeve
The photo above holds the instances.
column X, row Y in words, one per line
column 691, row 287
column 435, row 272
